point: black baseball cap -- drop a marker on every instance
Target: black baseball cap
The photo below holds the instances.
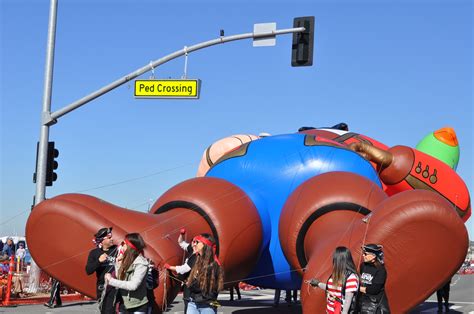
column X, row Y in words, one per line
column 103, row 232
column 373, row 248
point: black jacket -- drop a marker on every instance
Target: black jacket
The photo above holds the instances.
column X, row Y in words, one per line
column 373, row 278
column 191, row 260
column 197, row 295
column 108, row 266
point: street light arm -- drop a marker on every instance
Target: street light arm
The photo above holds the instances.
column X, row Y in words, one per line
column 152, row 65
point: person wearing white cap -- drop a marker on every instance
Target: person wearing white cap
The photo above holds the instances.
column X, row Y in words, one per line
column 20, row 252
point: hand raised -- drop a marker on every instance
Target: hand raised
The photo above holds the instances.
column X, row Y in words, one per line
column 103, row 257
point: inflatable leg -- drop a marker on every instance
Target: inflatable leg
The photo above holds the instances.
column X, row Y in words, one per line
column 317, row 218
column 230, row 215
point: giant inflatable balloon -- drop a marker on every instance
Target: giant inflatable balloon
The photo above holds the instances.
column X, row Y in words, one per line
column 218, row 149
column 278, row 206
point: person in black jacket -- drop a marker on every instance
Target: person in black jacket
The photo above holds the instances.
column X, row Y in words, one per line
column 206, row 278
column 372, row 298
column 101, row 260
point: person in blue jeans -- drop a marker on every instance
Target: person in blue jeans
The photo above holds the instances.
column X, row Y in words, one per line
column 206, row 278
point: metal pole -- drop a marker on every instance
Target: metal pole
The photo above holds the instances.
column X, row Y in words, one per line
column 45, row 113
column 44, row 131
column 57, row 114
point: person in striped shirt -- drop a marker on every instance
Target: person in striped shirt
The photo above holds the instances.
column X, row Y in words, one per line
column 343, row 284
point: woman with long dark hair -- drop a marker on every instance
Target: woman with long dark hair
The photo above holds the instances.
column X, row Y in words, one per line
column 373, row 299
column 206, row 278
column 131, row 277
column 343, row 284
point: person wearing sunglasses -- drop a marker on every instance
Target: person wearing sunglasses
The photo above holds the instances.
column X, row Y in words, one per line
column 131, row 277
column 373, row 276
column 343, row 284
column 206, row 278
column 100, row 261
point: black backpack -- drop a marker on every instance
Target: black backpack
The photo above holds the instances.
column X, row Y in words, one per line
column 152, row 276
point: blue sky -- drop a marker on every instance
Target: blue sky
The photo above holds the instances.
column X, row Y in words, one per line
column 393, row 70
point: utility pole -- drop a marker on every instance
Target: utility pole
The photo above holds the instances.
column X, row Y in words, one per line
column 44, row 130
column 46, row 109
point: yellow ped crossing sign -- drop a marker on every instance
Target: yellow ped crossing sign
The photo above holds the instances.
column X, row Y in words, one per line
column 171, row 89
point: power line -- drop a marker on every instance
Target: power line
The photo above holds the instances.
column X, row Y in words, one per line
column 108, row 185
column 135, row 179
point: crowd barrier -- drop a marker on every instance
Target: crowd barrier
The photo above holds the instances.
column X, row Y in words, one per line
column 14, row 280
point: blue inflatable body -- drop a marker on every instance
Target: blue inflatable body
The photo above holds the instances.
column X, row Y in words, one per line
column 254, row 172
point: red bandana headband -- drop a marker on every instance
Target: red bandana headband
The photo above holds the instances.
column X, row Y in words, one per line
column 208, row 243
column 133, row 247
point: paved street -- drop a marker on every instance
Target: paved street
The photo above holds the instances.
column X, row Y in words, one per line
column 261, row 301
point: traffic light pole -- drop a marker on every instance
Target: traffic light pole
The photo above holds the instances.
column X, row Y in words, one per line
column 46, row 109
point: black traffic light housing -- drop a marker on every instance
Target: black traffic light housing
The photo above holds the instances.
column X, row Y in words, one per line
column 302, row 47
column 51, row 164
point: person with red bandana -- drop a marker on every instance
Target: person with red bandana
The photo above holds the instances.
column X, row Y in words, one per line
column 206, row 278
column 184, row 269
column 131, row 277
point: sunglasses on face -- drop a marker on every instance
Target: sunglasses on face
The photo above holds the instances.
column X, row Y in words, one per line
column 195, row 242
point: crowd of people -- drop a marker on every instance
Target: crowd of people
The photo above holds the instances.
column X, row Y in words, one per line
column 125, row 278
column 121, row 273
column 9, row 249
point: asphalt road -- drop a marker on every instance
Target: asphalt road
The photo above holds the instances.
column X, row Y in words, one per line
column 261, row 301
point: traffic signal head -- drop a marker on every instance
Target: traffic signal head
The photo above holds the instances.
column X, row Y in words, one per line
column 51, row 164
column 302, row 48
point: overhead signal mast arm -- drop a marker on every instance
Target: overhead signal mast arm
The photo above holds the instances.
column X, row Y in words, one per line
column 152, row 65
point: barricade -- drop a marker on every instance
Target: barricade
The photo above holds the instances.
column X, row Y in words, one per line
column 14, row 286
